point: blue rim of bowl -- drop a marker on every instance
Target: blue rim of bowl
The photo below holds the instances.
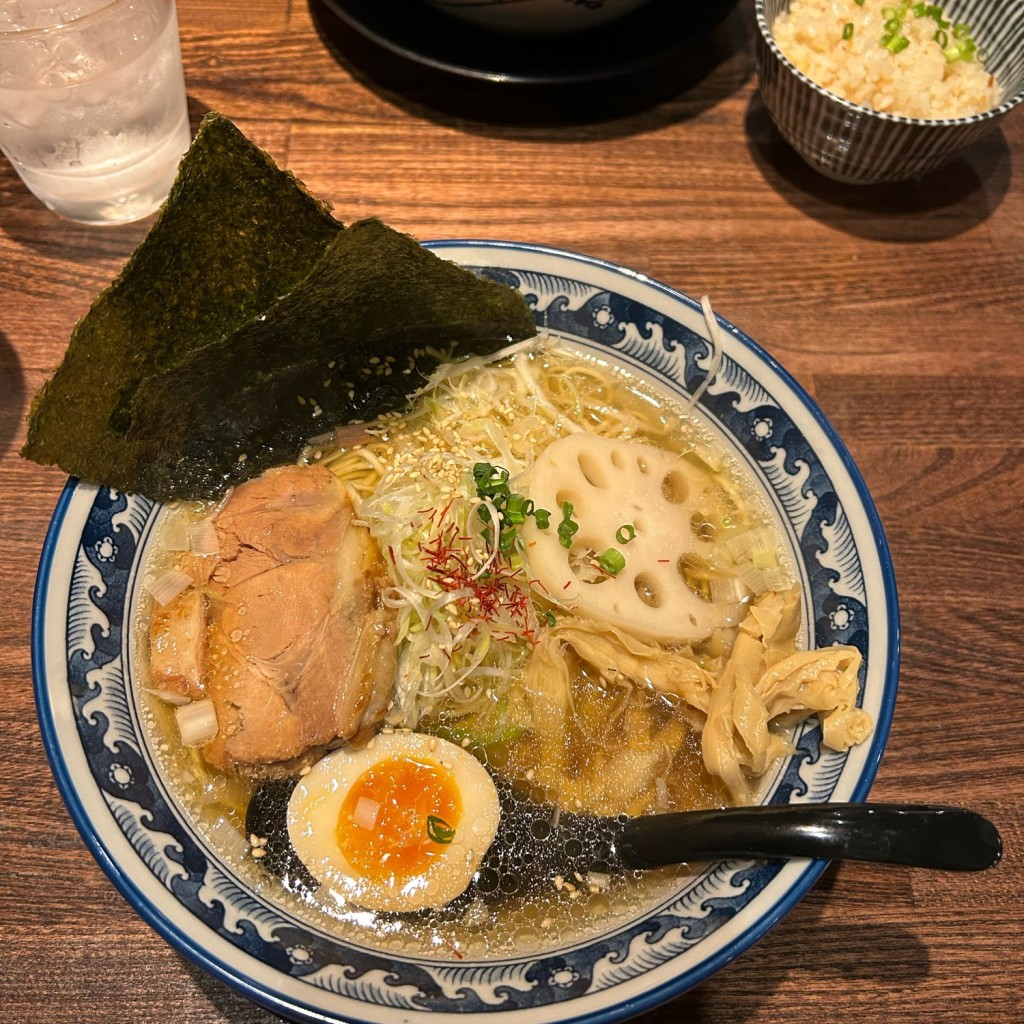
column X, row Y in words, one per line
column 768, row 37
column 187, row 945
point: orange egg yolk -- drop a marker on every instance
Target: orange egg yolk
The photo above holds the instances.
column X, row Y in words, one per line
column 397, row 817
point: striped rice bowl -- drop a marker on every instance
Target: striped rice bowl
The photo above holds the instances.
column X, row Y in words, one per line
column 856, row 144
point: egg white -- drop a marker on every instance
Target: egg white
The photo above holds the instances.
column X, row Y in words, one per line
column 316, row 803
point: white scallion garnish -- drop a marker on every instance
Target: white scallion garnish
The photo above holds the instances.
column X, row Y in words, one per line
column 750, row 544
column 175, row 535
column 365, row 813
column 168, row 585
column 197, row 722
column 203, row 539
column 727, row 590
column 760, row 580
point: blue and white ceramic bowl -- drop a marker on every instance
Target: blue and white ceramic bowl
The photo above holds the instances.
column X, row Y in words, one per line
column 861, row 146
column 89, row 709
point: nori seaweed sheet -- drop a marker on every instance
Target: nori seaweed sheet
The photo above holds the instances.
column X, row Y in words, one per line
column 230, row 310
column 372, row 307
column 233, row 235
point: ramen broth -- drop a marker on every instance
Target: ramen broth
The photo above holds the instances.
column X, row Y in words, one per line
column 625, row 748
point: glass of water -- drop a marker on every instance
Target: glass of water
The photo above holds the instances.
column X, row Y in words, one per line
column 93, row 115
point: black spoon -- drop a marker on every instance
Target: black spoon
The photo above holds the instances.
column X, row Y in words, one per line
column 535, row 843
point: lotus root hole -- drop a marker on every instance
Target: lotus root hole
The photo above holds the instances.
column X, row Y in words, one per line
column 675, row 488
column 592, row 469
column 647, row 590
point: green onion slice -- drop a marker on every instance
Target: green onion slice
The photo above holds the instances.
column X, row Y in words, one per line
column 567, row 527
column 490, row 480
column 848, row 30
column 516, row 509
column 439, row 830
column 612, row 561
column 625, row 533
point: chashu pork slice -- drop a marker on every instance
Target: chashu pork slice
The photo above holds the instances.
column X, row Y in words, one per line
column 300, row 650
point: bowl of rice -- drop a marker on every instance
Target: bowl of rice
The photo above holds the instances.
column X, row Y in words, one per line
column 871, row 91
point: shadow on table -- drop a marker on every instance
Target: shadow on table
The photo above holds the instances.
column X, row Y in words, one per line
column 25, row 220
column 686, row 80
column 12, row 393
column 950, row 200
column 229, row 1004
column 858, row 954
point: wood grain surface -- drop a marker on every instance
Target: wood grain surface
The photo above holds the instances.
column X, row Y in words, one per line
column 899, row 307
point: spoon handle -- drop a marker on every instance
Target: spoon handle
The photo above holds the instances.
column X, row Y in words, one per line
column 950, row 838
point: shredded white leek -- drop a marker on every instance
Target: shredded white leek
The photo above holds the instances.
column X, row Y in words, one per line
column 447, row 372
column 169, row 696
column 453, row 600
column 717, row 348
column 415, row 473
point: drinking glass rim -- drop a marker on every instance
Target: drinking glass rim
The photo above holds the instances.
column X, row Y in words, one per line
column 43, row 30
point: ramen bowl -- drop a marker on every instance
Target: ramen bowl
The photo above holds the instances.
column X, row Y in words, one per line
column 87, row 680
column 857, row 145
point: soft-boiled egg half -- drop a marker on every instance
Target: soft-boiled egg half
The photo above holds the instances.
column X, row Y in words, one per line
column 397, row 825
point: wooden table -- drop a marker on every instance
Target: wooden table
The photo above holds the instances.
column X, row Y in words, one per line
column 900, row 308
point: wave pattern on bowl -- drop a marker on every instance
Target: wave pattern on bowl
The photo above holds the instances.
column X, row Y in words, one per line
column 110, row 776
